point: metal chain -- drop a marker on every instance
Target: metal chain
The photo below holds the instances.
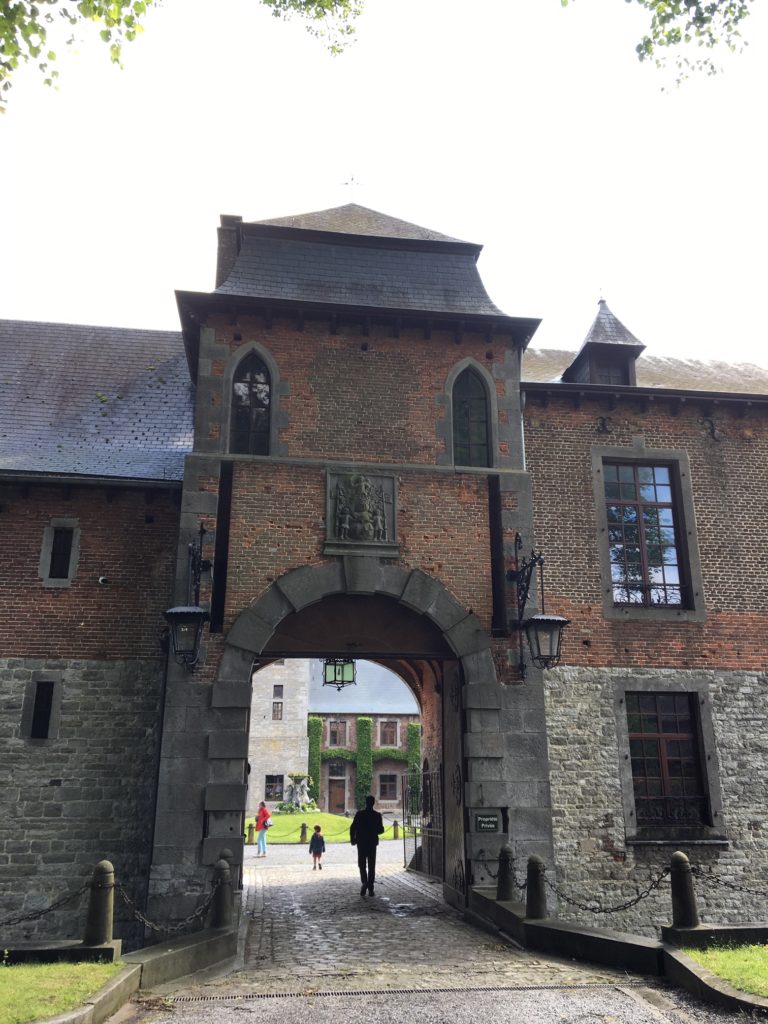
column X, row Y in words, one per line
column 710, row 877
column 654, row 884
column 168, row 929
column 35, row 915
column 522, row 886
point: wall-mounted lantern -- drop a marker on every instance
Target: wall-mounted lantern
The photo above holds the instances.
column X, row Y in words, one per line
column 544, row 632
column 339, row 672
column 186, row 621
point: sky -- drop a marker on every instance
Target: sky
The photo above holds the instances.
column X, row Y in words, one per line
column 518, row 124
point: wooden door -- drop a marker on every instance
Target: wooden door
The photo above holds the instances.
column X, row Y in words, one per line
column 337, row 796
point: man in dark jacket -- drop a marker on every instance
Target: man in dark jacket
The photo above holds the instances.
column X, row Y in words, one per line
column 364, row 833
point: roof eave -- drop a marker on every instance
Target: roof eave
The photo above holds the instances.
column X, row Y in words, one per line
column 634, row 392
column 194, row 306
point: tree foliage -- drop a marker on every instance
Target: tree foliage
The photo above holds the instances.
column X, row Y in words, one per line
column 676, row 25
column 26, row 27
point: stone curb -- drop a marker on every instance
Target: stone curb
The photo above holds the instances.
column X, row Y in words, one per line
column 102, row 1004
column 706, row 986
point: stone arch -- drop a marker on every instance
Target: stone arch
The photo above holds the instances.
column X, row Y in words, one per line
column 445, row 427
column 359, row 576
column 278, row 389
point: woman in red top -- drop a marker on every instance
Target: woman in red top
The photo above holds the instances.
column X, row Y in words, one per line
column 262, row 818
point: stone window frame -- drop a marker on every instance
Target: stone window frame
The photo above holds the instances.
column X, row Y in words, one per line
column 389, row 721
column 273, row 798
column 387, row 775
column 678, row 460
column 274, row 400
column 44, row 568
column 445, row 428
column 338, row 721
column 277, row 711
column 713, row 834
column 28, row 707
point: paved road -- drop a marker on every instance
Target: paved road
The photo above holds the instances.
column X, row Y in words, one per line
column 311, row 946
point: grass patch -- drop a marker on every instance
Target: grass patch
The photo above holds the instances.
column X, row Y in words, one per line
column 31, row 992
column 744, row 967
column 287, row 827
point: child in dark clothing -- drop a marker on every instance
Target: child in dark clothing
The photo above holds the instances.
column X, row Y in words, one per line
column 317, row 848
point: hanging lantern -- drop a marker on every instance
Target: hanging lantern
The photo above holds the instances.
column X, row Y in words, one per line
column 339, row 672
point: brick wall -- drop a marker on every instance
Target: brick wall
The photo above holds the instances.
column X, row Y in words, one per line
column 727, row 650
column 729, row 479
column 372, row 399
column 128, row 536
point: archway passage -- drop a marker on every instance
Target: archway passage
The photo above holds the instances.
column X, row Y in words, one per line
column 406, row 620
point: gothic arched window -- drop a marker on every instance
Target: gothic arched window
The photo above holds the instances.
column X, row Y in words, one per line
column 470, row 421
column 251, row 399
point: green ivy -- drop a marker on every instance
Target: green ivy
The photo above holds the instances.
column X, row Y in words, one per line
column 364, row 778
column 389, row 754
column 338, row 754
column 413, row 747
column 314, row 732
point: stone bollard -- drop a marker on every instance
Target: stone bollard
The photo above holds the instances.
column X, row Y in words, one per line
column 101, row 905
column 536, row 893
column 249, row 840
column 303, row 836
column 505, row 883
column 684, row 911
column 222, row 898
column 395, row 829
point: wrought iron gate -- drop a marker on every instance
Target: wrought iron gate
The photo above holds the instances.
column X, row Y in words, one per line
column 423, row 822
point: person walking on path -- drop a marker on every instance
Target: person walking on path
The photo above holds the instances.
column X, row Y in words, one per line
column 364, row 832
column 317, row 848
column 262, row 818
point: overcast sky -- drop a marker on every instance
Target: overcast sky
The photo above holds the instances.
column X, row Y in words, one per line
column 513, row 123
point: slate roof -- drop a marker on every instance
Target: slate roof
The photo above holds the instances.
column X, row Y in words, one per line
column 358, row 220
column 378, row 691
column 607, row 329
column 93, row 401
column 547, row 366
column 353, row 256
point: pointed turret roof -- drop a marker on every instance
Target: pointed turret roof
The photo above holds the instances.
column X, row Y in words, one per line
column 607, row 338
column 607, row 329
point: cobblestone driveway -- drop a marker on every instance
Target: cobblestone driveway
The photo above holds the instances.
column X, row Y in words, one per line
column 308, row 931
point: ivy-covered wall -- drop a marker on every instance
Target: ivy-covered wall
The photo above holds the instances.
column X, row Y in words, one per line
column 364, row 760
column 314, row 732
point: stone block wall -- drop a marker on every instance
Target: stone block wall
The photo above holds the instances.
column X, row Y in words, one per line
column 83, row 795
column 277, row 747
column 593, row 857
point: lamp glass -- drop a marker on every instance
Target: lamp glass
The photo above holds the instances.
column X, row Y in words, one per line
column 545, row 637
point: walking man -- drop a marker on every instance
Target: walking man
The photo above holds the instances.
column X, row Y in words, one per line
column 364, row 833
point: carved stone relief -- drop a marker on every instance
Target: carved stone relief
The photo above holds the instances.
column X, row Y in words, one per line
column 361, row 514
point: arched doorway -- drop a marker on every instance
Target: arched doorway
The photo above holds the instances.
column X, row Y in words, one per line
column 357, row 606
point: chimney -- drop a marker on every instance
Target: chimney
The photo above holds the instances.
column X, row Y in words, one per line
column 228, row 246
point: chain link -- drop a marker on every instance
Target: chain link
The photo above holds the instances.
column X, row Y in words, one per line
column 168, row 929
column 711, row 878
column 35, row 915
column 522, row 886
column 654, row 884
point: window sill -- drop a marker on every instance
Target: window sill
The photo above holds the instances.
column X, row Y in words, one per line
column 718, row 841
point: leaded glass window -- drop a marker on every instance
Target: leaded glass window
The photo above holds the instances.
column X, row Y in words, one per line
column 251, row 401
column 471, row 435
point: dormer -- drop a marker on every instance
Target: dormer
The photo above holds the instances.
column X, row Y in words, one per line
column 607, row 355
